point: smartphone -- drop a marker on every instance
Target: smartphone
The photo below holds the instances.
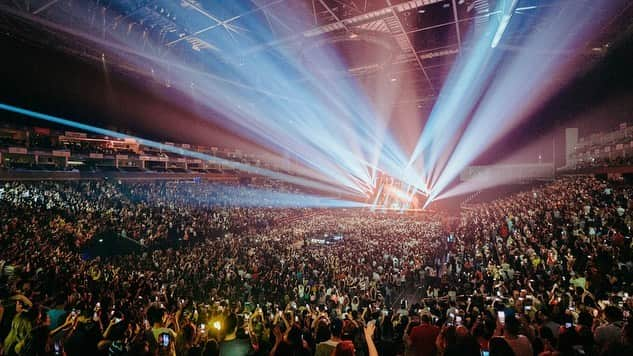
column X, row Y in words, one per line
column 528, row 307
column 458, row 320
column 202, row 327
column 501, row 316
column 164, row 339
column 57, row 347
column 568, row 325
column 485, row 353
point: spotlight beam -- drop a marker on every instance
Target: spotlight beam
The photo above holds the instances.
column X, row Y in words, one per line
column 505, row 20
column 460, row 93
column 224, row 195
column 523, row 82
column 177, row 150
column 333, row 132
column 145, row 57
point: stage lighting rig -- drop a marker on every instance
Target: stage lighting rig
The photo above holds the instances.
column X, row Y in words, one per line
column 391, row 193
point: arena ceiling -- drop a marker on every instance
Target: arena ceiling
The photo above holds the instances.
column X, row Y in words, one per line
column 413, row 42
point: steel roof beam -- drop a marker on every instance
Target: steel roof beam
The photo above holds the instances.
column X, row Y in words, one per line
column 338, row 20
column 356, row 20
column 45, row 6
column 456, row 18
column 220, row 22
column 410, row 44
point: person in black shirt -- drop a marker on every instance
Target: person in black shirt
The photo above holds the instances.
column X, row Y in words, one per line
column 84, row 336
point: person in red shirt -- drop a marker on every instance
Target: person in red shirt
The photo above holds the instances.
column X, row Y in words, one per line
column 504, row 232
column 422, row 337
column 618, row 239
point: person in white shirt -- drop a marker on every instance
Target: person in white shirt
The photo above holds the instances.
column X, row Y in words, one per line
column 325, row 348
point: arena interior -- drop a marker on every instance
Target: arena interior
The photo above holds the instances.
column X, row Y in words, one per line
column 316, row 177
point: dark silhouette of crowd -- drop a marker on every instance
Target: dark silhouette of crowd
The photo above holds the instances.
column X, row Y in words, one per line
column 543, row 272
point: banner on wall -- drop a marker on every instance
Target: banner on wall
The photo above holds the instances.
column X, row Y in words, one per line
column 42, row 131
column 75, row 134
column 18, row 150
column 61, row 154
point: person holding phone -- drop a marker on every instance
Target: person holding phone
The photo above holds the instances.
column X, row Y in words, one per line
column 189, row 338
column 161, row 337
column 509, row 332
column 325, row 348
column 85, row 333
column 422, row 337
column 114, row 336
column 290, row 342
column 347, row 347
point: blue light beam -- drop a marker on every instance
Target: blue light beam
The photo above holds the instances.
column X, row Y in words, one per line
column 177, row 150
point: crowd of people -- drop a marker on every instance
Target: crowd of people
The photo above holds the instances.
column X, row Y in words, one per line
column 547, row 271
column 604, row 162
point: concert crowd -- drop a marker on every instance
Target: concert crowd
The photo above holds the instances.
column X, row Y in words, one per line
column 543, row 272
